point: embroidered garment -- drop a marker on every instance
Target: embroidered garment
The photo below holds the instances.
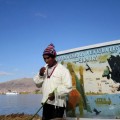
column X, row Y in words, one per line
column 50, row 71
column 60, row 82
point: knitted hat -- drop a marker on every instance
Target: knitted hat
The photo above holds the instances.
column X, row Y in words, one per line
column 50, row 50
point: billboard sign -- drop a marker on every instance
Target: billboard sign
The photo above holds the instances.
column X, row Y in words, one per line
column 95, row 72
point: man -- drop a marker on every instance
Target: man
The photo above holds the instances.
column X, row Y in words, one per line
column 56, row 82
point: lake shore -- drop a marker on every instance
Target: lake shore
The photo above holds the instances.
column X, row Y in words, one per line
column 19, row 116
column 22, row 116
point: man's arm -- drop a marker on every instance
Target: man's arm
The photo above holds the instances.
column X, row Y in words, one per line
column 39, row 78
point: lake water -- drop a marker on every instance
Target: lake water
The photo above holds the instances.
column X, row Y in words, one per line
column 28, row 104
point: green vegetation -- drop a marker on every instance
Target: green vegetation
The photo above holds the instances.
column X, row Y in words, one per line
column 103, row 101
column 94, row 93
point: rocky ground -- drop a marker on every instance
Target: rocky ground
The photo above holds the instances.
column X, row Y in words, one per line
column 21, row 116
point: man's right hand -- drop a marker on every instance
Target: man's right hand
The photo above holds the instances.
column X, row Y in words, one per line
column 42, row 71
column 51, row 96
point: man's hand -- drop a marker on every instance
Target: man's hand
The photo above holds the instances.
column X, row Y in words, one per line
column 42, row 71
column 51, row 96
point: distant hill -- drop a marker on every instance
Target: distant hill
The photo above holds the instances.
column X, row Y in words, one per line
column 19, row 85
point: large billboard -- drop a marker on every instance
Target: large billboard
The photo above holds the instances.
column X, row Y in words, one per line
column 95, row 72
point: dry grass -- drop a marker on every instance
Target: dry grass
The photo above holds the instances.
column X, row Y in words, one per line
column 17, row 116
column 22, row 116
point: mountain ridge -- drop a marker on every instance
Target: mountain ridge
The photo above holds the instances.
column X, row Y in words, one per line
column 19, row 85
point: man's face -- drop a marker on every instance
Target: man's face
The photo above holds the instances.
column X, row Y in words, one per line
column 49, row 60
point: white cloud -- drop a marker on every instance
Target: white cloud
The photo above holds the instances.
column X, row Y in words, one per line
column 5, row 73
column 40, row 15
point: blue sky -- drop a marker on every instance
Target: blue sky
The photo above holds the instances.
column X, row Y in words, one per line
column 27, row 27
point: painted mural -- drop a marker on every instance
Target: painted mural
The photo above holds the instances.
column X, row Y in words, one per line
column 96, row 82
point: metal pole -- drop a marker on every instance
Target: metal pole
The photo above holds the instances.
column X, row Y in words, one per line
column 38, row 110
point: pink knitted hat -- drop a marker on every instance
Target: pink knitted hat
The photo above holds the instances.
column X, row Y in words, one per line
column 50, row 50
